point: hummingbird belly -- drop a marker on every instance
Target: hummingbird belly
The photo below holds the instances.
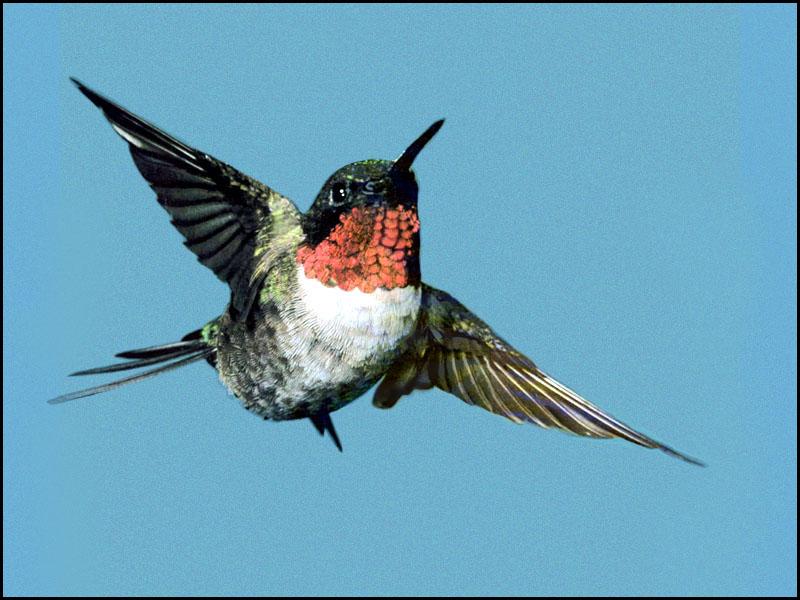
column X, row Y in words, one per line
column 324, row 347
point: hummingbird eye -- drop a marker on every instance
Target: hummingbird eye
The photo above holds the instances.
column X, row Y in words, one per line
column 338, row 194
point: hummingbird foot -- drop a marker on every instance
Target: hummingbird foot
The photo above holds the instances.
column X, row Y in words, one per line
column 322, row 421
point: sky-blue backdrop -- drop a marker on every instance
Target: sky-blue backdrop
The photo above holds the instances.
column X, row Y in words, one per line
column 614, row 191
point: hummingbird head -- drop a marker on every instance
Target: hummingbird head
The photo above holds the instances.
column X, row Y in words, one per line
column 369, row 184
column 366, row 209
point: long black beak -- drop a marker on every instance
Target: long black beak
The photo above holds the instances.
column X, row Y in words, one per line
column 403, row 163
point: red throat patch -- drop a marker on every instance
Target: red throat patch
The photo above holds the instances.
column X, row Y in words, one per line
column 368, row 249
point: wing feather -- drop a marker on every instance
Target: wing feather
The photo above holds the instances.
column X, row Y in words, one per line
column 223, row 214
column 457, row 352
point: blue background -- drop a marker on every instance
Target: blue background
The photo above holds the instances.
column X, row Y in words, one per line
column 614, row 191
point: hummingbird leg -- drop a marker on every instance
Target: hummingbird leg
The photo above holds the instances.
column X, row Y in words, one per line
column 322, row 422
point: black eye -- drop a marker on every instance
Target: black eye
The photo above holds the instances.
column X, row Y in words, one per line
column 338, row 194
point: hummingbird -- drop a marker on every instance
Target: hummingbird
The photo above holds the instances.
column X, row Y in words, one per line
column 327, row 303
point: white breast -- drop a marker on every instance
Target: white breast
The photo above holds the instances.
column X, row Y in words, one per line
column 367, row 324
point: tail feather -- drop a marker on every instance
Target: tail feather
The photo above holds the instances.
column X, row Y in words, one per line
column 190, row 341
column 140, row 377
column 131, row 364
column 175, row 355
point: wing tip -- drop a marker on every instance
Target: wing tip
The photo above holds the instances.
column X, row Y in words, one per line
column 95, row 98
column 681, row 456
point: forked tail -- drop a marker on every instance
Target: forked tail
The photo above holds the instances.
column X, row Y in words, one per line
column 193, row 347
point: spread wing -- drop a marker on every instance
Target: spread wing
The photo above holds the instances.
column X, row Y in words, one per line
column 225, row 216
column 457, row 352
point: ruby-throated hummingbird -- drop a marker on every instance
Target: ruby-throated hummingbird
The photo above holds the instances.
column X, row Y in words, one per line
column 327, row 303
